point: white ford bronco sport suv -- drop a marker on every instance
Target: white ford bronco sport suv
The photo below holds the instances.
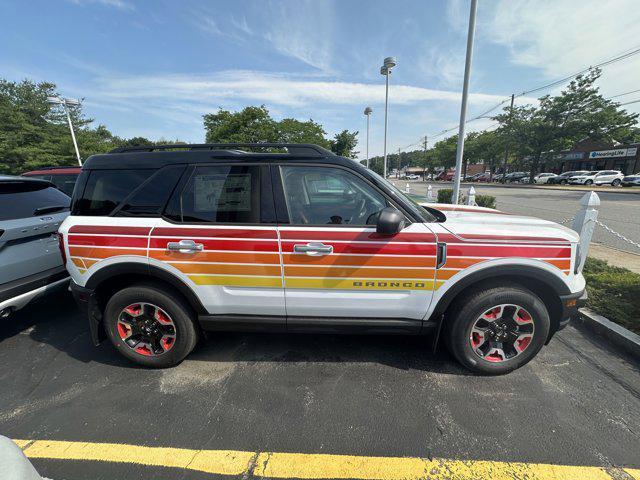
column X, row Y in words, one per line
column 166, row 241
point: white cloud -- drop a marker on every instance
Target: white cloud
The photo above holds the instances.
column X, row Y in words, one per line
column 276, row 89
column 561, row 37
column 120, row 4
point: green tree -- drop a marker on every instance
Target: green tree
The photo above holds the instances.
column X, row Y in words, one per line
column 344, row 144
column 250, row 125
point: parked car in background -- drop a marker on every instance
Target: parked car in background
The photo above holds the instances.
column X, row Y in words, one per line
column 446, row 176
column 563, row 178
column 602, row 177
column 63, row 178
column 484, row 177
column 413, row 176
column 498, row 177
column 631, row 180
column 515, row 176
column 31, row 210
column 543, row 177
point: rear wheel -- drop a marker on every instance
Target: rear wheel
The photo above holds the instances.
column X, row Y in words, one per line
column 616, row 182
column 150, row 326
column 497, row 330
column 588, row 182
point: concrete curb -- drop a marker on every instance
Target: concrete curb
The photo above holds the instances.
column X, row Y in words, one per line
column 619, row 336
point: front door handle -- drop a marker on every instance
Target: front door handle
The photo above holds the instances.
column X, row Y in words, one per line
column 313, row 249
column 185, row 246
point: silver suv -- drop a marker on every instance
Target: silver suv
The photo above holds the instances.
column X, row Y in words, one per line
column 31, row 210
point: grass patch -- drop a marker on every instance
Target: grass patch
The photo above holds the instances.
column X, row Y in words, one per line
column 614, row 293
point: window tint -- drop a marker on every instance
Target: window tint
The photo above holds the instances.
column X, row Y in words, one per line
column 153, row 194
column 65, row 182
column 23, row 200
column 327, row 195
column 105, row 189
column 219, row 194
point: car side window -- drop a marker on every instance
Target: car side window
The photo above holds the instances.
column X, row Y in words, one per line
column 329, row 196
column 218, row 194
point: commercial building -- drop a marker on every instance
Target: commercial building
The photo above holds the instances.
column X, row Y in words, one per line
column 588, row 155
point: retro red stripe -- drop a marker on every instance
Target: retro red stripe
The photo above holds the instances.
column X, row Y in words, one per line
column 372, row 248
column 248, row 245
column 328, row 235
column 213, row 232
column 479, row 238
column 95, row 241
column 507, row 251
column 113, row 230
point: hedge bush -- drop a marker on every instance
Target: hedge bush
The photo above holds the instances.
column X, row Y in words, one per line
column 445, row 194
column 614, row 293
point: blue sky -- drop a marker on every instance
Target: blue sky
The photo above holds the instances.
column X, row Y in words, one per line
column 152, row 68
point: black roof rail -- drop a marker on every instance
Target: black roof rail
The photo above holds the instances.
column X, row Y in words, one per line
column 308, row 149
column 58, row 167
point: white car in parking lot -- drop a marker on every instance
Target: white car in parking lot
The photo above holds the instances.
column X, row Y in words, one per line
column 543, row 177
column 602, row 177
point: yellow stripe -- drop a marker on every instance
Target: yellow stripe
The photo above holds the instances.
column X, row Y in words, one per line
column 312, row 466
column 359, row 283
column 222, row 462
column 236, row 281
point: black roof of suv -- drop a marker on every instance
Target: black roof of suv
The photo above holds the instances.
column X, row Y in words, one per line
column 160, row 155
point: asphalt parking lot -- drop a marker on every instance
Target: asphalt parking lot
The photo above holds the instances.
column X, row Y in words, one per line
column 311, row 396
column 619, row 211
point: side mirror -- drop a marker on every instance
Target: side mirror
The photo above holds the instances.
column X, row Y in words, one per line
column 390, row 221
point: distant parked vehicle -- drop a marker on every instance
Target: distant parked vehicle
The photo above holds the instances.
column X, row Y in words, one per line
column 602, row 177
column 63, row 178
column 631, row 180
column 31, row 210
column 498, row 177
column 563, row 178
column 413, row 176
column 515, row 176
column 446, row 176
column 543, row 177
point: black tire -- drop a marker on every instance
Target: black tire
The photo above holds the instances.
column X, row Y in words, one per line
column 616, row 182
column 563, row 182
column 588, row 182
column 180, row 313
column 465, row 312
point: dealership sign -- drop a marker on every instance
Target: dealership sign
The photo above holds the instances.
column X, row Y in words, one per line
column 618, row 152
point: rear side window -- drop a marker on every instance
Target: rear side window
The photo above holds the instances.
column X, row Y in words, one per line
column 218, row 194
column 23, row 200
column 149, row 199
column 65, row 182
column 105, row 189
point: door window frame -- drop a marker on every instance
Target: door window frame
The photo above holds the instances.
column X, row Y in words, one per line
column 267, row 206
column 282, row 211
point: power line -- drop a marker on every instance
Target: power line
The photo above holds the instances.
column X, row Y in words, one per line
column 632, row 101
column 623, row 94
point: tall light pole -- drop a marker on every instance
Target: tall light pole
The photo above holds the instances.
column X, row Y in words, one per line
column 463, row 108
column 367, row 112
column 65, row 102
column 385, row 70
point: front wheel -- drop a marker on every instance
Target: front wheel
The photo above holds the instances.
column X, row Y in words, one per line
column 588, row 182
column 497, row 330
column 616, row 182
column 151, row 326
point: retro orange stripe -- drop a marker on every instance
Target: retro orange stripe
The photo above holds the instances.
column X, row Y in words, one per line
column 227, row 269
column 349, row 272
column 561, row 264
column 360, row 260
column 223, row 257
column 101, row 253
column 445, row 274
column 78, row 262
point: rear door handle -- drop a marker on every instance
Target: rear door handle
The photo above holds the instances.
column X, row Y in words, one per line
column 185, row 246
column 313, row 249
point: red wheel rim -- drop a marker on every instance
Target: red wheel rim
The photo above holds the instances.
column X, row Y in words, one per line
column 502, row 333
column 146, row 329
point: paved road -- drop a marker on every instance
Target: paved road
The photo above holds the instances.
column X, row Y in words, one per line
column 578, row 403
column 619, row 211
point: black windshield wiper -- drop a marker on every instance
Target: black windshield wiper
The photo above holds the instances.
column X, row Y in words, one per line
column 50, row 209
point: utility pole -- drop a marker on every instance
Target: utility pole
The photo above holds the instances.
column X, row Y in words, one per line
column 506, row 143
column 463, row 107
column 399, row 165
column 426, row 159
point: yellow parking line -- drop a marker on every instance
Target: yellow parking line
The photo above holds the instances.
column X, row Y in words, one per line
column 312, row 466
